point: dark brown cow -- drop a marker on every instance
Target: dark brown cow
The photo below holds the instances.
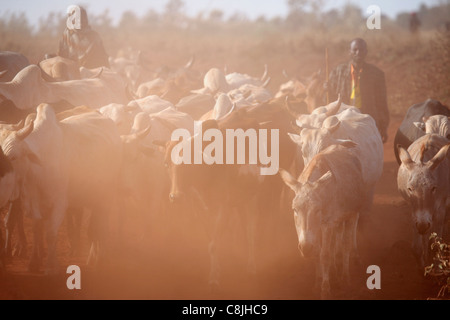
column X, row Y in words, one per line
column 218, row 189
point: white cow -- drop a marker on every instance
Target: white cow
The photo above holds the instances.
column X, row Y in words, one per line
column 69, row 164
column 7, row 179
column 28, row 89
column 438, row 124
column 236, row 80
column 347, row 127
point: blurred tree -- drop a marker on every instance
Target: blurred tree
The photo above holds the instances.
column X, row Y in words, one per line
column 216, row 15
column 173, row 14
column 128, row 22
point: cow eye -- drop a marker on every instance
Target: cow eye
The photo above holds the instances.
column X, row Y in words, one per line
column 433, row 190
column 410, row 189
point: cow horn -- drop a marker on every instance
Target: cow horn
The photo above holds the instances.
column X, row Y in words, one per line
column 130, row 93
column 233, row 107
column 288, row 108
column 166, row 123
column 296, row 127
column 2, row 73
column 25, row 131
column 136, row 136
column 190, row 62
column 129, row 108
column 159, row 143
column 332, row 111
column 285, row 74
column 266, row 83
column 46, row 77
column 18, row 125
column 98, row 74
column 264, row 76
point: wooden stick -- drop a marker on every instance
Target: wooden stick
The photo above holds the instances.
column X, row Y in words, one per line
column 326, row 74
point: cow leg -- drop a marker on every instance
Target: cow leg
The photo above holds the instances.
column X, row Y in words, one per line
column 212, row 249
column 354, row 249
column 52, row 227
column 97, row 233
column 38, row 246
column 249, row 216
column 2, row 253
column 348, row 246
column 325, row 261
column 74, row 218
column 14, row 218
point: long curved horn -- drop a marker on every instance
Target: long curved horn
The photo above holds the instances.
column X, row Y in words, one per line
column 190, row 62
column 18, row 125
column 98, row 74
column 2, row 73
column 166, row 123
column 25, row 131
column 46, row 77
column 288, row 108
column 266, row 83
column 137, row 135
column 233, row 107
column 263, row 77
column 332, row 111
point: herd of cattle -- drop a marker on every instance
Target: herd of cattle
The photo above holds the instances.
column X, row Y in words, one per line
column 75, row 139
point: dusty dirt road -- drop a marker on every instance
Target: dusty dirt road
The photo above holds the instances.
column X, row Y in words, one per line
column 169, row 259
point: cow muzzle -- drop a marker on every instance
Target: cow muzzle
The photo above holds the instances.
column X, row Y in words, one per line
column 175, row 197
column 306, row 249
column 422, row 227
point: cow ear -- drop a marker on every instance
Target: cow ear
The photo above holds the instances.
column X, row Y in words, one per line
column 420, row 125
column 325, row 178
column 296, row 127
column 439, row 157
column 148, row 151
column 405, row 157
column 159, row 143
column 295, row 138
column 289, row 180
column 331, row 123
column 346, row 143
column 34, row 158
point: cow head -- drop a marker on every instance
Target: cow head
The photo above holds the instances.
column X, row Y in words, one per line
column 313, row 140
column 307, row 205
column 7, row 179
column 19, row 155
column 438, row 124
column 419, row 183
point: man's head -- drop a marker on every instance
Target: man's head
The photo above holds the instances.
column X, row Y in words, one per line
column 358, row 51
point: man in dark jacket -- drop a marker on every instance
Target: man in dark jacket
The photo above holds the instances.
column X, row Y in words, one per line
column 80, row 43
column 362, row 85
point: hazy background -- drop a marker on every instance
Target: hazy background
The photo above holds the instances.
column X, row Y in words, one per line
column 290, row 36
column 253, row 9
